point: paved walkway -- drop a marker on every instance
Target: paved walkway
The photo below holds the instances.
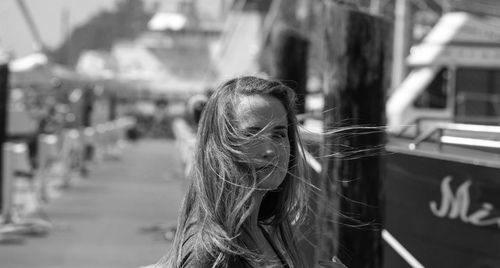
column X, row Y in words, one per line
column 103, row 221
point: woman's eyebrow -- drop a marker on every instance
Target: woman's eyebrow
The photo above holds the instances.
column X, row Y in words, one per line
column 254, row 129
column 281, row 127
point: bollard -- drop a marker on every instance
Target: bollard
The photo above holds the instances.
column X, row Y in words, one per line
column 47, row 154
column 70, row 152
column 113, row 134
column 89, row 134
column 11, row 223
column 7, row 174
column 89, row 146
column 80, row 148
column 100, row 130
column 111, row 140
column 15, row 159
column 121, row 125
column 126, row 123
column 8, row 231
column 26, row 198
column 107, row 139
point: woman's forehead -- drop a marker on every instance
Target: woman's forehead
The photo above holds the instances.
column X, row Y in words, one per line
column 260, row 111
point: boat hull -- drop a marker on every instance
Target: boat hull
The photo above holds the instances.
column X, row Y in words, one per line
column 444, row 212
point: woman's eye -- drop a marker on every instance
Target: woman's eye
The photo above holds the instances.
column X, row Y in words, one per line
column 280, row 135
column 251, row 134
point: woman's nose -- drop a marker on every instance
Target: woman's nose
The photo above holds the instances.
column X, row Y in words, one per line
column 268, row 152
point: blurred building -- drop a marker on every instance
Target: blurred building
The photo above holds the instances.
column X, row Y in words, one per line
column 187, row 50
column 172, row 57
column 97, row 63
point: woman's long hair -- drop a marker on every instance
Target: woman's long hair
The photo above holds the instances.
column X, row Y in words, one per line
column 222, row 182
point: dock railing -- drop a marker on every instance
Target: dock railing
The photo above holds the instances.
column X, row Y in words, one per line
column 60, row 160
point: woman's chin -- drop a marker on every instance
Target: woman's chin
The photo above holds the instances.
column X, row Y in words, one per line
column 272, row 182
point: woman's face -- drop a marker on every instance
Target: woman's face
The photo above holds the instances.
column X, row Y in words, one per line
column 264, row 118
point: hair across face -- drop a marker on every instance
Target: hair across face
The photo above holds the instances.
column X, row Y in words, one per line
column 247, row 141
column 264, row 120
column 242, row 117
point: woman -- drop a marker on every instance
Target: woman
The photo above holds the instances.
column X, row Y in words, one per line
column 246, row 193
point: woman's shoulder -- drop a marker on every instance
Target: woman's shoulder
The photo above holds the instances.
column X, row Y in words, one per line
column 194, row 253
column 186, row 252
column 193, row 259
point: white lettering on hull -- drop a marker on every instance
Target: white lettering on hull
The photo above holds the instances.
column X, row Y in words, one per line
column 456, row 206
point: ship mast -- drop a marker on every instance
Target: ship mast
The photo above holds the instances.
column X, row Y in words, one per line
column 40, row 45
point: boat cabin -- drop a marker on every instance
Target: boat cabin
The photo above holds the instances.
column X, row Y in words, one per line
column 455, row 76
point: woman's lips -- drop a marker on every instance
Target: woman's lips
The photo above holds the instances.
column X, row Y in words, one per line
column 265, row 168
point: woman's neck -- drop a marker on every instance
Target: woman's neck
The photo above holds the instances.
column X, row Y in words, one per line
column 253, row 222
column 257, row 234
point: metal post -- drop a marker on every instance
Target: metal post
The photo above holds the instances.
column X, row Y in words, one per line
column 31, row 25
column 7, row 182
column 4, row 96
column 290, row 61
column 402, row 34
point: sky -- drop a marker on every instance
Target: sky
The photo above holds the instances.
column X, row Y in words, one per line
column 47, row 14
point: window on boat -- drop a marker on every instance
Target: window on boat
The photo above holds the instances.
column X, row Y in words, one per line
column 436, row 93
column 478, row 95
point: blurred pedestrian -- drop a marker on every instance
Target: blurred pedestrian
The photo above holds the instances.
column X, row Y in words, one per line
column 247, row 194
column 161, row 125
column 194, row 107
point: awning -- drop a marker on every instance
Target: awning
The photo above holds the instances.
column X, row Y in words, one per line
column 38, row 71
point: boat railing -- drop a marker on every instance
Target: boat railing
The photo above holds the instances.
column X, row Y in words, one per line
column 474, row 139
column 417, row 125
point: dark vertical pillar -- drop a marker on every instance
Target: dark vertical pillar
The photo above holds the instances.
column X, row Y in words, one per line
column 4, row 97
column 328, row 210
column 289, row 50
column 87, row 109
column 113, row 102
column 87, row 106
column 356, row 76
